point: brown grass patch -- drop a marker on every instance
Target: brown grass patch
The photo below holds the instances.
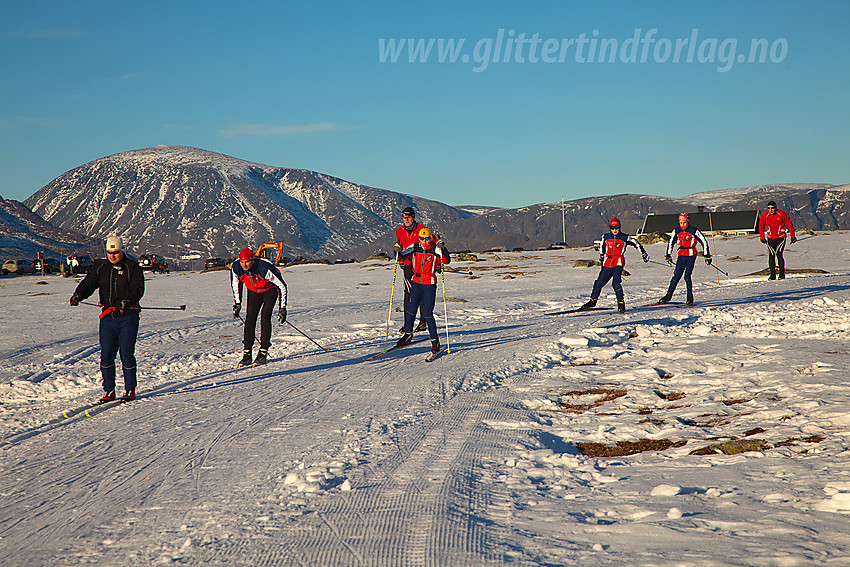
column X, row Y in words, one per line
column 733, row 447
column 739, row 401
column 795, row 440
column 671, row 397
column 605, row 395
column 623, row 448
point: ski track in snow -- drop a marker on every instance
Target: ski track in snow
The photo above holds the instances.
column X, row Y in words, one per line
column 324, row 459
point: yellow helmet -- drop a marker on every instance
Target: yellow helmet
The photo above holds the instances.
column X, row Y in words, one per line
column 425, row 232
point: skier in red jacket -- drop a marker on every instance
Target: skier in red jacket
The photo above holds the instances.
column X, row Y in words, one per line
column 774, row 226
column 427, row 257
column 686, row 237
column 264, row 287
column 405, row 235
column 611, row 256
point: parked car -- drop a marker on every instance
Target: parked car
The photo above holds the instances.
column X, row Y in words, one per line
column 154, row 263
column 80, row 264
column 214, row 263
column 18, row 267
column 50, row 266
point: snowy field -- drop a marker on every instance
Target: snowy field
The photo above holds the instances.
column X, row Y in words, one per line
column 716, row 434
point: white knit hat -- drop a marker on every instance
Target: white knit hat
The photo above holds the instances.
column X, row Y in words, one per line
column 114, row 244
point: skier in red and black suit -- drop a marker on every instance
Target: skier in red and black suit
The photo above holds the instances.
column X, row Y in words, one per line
column 427, row 256
column 686, row 237
column 405, row 235
column 774, row 226
column 265, row 288
column 611, row 256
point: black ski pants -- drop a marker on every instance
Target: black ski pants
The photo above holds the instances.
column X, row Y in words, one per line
column 775, row 247
column 262, row 305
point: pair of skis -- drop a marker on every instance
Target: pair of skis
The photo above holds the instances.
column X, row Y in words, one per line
column 431, row 355
column 580, row 310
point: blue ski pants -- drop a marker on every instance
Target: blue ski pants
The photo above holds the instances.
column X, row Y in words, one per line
column 605, row 275
column 684, row 266
column 118, row 335
column 424, row 296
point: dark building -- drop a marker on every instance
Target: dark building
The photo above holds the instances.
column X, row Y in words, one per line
column 734, row 222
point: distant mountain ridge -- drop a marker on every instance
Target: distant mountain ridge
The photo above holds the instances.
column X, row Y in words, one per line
column 23, row 234
column 817, row 206
column 180, row 201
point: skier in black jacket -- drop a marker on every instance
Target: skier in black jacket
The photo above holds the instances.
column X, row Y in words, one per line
column 121, row 284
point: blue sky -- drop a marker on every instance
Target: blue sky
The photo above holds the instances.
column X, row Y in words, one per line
column 296, row 85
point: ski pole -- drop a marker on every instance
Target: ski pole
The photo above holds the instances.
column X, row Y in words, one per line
column 451, row 271
column 713, row 245
column 445, row 311
column 806, row 237
column 719, row 270
column 180, row 308
column 308, row 338
column 659, row 263
column 392, row 290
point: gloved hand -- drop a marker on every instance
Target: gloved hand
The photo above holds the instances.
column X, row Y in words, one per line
column 645, row 257
column 708, row 260
column 237, row 307
column 763, row 241
column 397, row 248
column 125, row 305
column 793, row 239
column 601, row 259
column 281, row 315
column 669, row 259
column 75, row 300
column 442, row 243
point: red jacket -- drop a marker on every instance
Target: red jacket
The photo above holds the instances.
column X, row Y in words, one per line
column 774, row 225
column 612, row 249
column 425, row 261
column 406, row 237
column 687, row 240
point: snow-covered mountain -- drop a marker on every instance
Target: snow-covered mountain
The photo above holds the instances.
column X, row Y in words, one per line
column 180, row 201
column 579, row 222
column 24, row 233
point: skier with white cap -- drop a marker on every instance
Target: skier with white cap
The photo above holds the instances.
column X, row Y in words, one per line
column 121, row 284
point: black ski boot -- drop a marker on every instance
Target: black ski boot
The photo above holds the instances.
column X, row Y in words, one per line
column 404, row 340
column 589, row 305
column 689, row 300
column 246, row 358
column 107, row 397
column 262, row 357
column 666, row 299
column 435, row 345
column 621, row 307
column 420, row 327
